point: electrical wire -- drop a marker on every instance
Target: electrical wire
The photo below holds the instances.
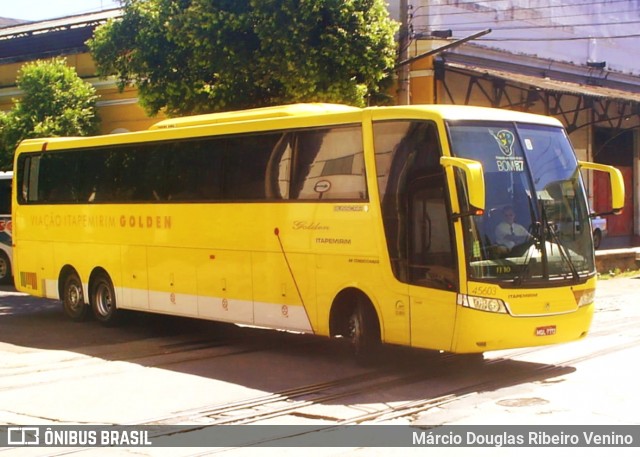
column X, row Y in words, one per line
column 458, row 4
column 463, row 26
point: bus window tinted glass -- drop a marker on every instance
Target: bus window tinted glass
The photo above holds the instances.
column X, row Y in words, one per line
column 5, row 196
column 299, row 164
column 414, row 203
column 245, row 164
column 329, row 164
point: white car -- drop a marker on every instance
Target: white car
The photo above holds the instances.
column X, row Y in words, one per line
column 5, row 228
column 599, row 225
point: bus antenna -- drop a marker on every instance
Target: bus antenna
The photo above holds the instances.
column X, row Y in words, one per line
column 276, row 232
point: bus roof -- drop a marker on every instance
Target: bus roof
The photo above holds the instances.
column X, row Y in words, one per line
column 463, row 113
column 466, row 112
column 271, row 112
column 300, row 111
column 447, row 112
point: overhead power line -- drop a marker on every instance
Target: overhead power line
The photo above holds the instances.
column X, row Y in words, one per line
column 538, row 27
column 465, row 26
column 536, row 18
column 617, row 37
column 457, row 4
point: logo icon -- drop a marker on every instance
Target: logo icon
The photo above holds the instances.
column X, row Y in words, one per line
column 505, row 140
column 23, row 436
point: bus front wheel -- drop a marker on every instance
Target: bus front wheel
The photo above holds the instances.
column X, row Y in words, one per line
column 103, row 300
column 363, row 332
column 73, row 298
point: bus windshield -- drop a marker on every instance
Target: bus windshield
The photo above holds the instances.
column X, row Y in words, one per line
column 536, row 224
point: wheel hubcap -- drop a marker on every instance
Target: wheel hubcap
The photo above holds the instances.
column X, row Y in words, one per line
column 74, row 296
column 103, row 300
column 354, row 330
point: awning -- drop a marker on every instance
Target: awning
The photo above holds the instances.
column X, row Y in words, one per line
column 44, row 39
column 549, row 84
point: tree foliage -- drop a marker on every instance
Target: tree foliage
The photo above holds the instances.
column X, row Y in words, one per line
column 197, row 56
column 55, row 102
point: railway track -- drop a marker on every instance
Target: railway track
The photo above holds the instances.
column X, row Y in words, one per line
column 490, row 375
column 157, row 351
column 408, row 410
column 442, row 381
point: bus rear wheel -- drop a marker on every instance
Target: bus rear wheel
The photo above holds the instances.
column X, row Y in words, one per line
column 73, row 298
column 103, row 300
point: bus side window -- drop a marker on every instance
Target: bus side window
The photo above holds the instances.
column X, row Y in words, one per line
column 246, row 160
column 329, row 164
column 27, row 178
column 278, row 174
column 5, row 196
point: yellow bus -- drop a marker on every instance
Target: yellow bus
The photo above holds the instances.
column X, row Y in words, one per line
column 375, row 225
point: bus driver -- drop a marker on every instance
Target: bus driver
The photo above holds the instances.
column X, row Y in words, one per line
column 508, row 232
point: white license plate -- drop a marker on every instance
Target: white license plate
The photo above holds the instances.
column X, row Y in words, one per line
column 546, row 331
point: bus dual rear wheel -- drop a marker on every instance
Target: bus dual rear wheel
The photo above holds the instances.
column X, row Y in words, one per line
column 103, row 300
column 73, row 299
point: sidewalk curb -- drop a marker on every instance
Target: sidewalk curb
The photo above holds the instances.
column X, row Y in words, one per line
column 623, row 259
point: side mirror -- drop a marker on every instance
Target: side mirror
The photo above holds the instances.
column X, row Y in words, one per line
column 475, row 180
column 615, row 180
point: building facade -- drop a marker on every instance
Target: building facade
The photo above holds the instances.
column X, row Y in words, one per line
column 22, row 43
column 566, row 58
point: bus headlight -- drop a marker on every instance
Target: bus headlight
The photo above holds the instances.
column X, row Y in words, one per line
column 492, row 305
column 584, row 297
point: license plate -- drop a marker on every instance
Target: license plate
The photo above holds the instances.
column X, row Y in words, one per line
column 546, row 331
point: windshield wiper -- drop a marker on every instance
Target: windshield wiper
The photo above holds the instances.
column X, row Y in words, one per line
column 561, row 248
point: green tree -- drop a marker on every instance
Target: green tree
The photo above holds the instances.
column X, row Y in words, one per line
column 198, row 56
column 55, row 102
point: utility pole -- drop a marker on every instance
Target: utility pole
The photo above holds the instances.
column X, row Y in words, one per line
column 404, row 70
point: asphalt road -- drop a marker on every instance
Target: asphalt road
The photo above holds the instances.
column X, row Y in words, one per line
column 165, row 370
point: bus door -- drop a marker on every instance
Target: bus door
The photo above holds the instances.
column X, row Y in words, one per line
column 411, row 182
column 432, row 273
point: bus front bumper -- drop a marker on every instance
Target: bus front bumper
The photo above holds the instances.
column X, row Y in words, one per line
column 481, row 331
